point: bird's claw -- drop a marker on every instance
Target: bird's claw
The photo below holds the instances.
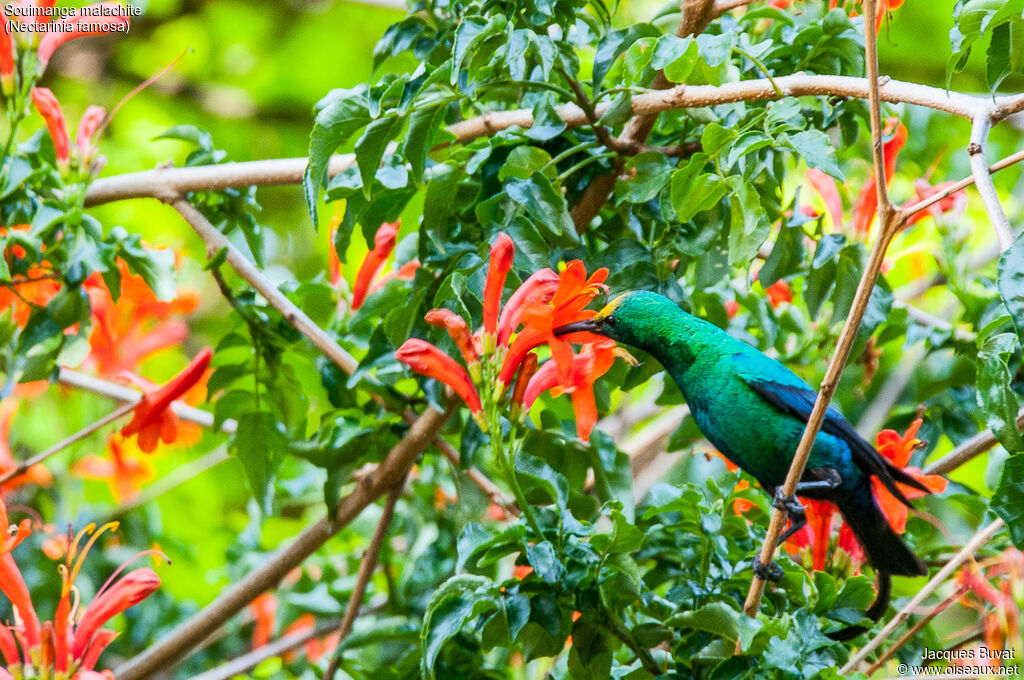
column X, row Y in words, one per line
column 767, row 572
column 789, row 504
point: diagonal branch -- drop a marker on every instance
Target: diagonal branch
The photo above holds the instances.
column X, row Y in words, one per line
column 875, row 108
column 366, row 567
column 983, row 181
column 891, row 223
column 175, row 646
column 113, row 390
column 980, row 539
column 246, row 662
column 42, row 456
column 967, row 450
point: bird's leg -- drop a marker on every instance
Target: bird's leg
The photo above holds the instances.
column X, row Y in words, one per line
column 767, row 572
column 828, row 480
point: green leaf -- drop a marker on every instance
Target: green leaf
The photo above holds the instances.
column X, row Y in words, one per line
column 815, row 148
column 614, row 44
column 995, row 396
column 540, row 473
column 1011, row 283
column 716, row 618
column 546, row 121
column 1008, row 500
column 423, row 124
column 459, row 599
column 371, row 146
column 544, row 560
column 546, row 206
column 339, row 115
column 691, row 195
column 258, row 444
column 648, row 172
column 973, row 19
column 749, row 226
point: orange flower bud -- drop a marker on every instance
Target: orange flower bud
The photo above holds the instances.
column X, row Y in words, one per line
column 502, row 253
column 428, row 360
column 153, row 419
column 460, row 335
column 75, row 25
column 49, row 108
column 383, row 244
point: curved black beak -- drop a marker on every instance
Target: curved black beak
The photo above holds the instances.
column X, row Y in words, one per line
column 594, row 325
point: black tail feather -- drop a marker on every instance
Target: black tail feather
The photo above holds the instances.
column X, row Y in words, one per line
column 884, row 549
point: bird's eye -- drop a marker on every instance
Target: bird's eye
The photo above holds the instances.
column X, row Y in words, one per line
column 610, row 321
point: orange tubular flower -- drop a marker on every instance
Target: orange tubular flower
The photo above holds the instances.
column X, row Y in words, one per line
column 128, row 591
column 460, row 335
column 6, row 58
column 77, row 25
column 540, row 287
column 865, row 208
column 590, row 364
column 502, row 254
column 49, row 108
column 922, row 190
column 11, row 582
column 428, row 360
column 264, row 612
column 383, row 244
column 897, row 448
column 567, row 305
column 124, row 472
column 87, row 127
column 154, row 420
column 778, row 293
column 127, row 332
column 8, row 647
column 825, row 185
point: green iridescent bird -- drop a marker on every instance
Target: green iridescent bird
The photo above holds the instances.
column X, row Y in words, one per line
column 753, row 409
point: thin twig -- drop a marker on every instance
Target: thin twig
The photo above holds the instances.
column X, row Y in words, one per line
column 250, row 660
column 175, row 646
column 912, row 631
column 217, row 242
column 113, row 390
column 366, row 568
column 979, row 539
column 24, row 466
column 967, row 450
column 890, row 225
column 983, row 181
column 875, row 108
column 926, row 203
column 169, row 182
column 180, row 475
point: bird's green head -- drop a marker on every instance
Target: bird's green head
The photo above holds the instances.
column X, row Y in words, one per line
column 639, row 318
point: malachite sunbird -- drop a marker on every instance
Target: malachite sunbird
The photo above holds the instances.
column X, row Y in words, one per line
column 753, row 409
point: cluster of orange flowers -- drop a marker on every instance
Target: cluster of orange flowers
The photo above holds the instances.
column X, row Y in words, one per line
column 504, row 347
column 70, row 645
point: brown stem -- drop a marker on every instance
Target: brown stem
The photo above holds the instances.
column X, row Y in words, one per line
column 175, row 646
column 875, row 108
column 912, row 631
column 246, row 662
column 983, row 181
column 891, row 222
column 967, row 450
column 24, row 466
column 979, row 539
column 694, row 16
column 366, row 568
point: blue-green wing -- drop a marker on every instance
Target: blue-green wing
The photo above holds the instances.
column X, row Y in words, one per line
column 787, row 393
